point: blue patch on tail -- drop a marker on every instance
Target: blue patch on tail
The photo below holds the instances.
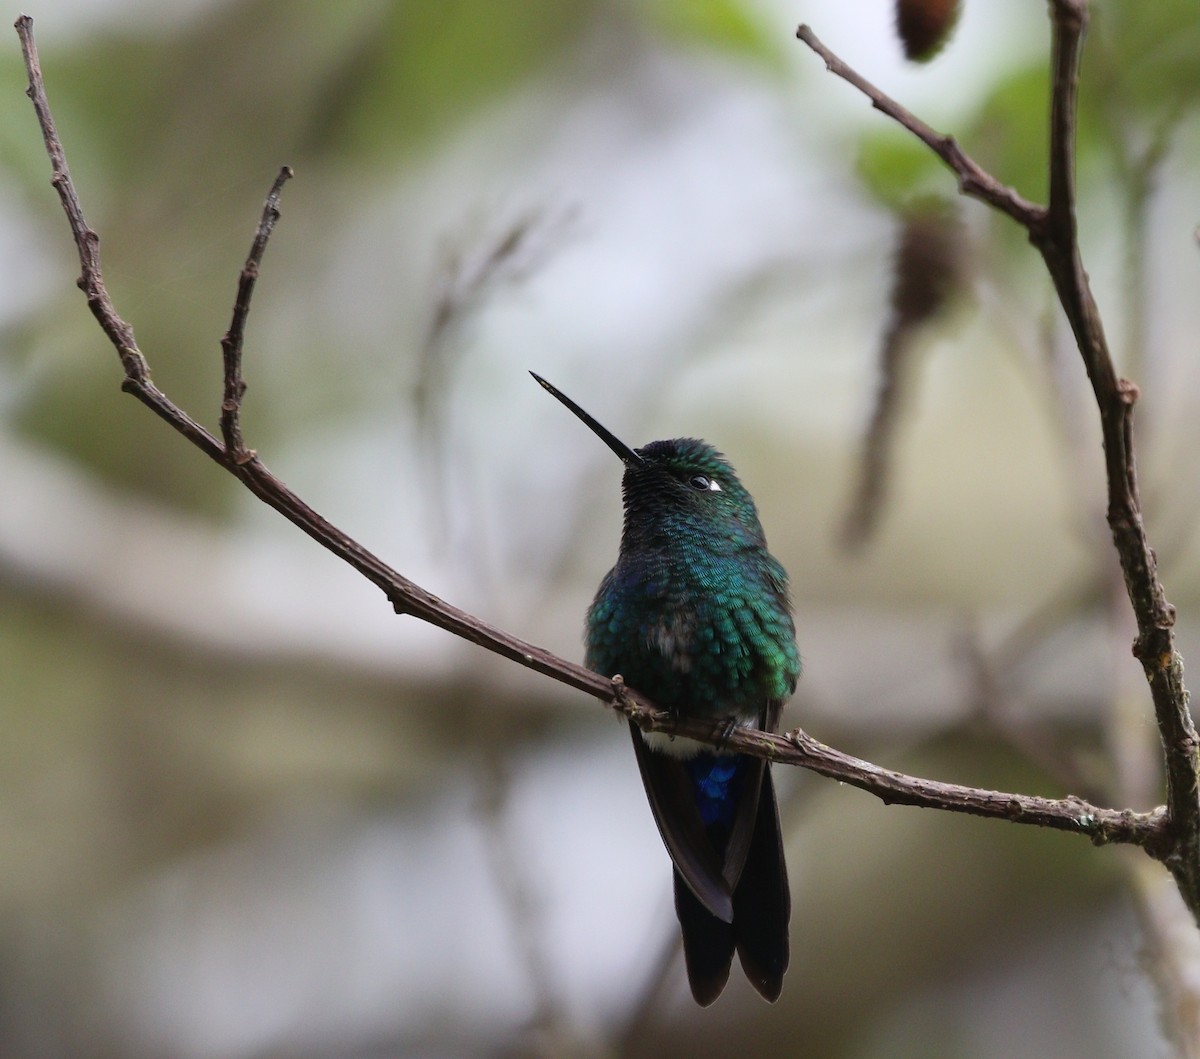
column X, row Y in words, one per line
column 713, row 778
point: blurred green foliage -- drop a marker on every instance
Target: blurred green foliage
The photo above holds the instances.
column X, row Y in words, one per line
column 724, row 24
column 422, row 68
column 1150, row 50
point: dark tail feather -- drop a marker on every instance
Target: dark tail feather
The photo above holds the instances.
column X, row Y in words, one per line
column 708, row 945
column 762, row 903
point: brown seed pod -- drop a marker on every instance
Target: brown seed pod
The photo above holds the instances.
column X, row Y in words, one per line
column 924, row 26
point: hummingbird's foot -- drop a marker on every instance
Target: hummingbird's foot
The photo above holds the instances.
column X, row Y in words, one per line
column 622, row 698
column 728, row 727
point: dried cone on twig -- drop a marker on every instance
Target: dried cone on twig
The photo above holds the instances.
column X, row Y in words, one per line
column 924, row 26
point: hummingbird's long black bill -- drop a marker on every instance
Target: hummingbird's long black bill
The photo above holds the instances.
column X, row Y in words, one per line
column 626, row 454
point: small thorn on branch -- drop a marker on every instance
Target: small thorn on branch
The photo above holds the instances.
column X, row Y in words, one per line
column 1128, row 391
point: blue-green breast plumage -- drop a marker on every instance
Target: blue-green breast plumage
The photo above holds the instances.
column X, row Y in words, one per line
column 695, row 614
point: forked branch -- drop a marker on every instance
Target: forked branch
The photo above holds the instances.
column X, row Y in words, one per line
column 1053, row 231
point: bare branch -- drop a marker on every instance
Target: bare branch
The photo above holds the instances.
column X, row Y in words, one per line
column 87, row 242
column 797, row 747
column 1155, row 643
column 973, row 179
column 405, row 596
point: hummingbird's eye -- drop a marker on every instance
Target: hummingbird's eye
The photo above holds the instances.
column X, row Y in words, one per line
column 703, row 484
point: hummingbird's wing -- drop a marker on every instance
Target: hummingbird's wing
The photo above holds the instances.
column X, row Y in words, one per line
column 710, row 864
column 741, row 833
column 753, row 774
column 751, row 877
column 671, row 795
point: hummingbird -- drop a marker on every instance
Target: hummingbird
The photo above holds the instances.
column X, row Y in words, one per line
column 696, row 616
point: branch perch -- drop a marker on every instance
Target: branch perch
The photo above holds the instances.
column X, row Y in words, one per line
column 1154, row 831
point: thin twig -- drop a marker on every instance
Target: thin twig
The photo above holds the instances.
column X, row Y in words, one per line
column 231, row 341
column 973, row 179
column 87, row 242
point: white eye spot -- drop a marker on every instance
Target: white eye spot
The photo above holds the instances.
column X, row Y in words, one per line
column 702, row 483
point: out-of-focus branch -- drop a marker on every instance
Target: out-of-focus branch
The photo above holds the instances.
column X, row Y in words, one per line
column 1053, row 231
column 1101, row 825
column 925, row 272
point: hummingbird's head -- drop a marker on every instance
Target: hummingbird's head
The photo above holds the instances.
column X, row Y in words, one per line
column 683, row 486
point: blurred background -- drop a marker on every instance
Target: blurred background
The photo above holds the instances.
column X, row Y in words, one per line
column 246, row 811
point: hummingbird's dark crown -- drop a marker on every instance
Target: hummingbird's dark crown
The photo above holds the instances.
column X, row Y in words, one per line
column 684, row 487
